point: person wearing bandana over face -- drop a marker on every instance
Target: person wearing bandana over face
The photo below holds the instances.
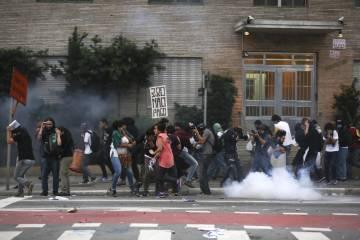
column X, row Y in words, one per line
column 48, row 137
column 19, row 135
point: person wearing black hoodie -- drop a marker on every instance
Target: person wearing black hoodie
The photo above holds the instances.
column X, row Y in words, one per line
column 48, row 137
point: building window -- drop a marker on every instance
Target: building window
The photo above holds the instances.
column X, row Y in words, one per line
column 64, row 1
column 357, row 3
column 281, row 3
column 175, row 1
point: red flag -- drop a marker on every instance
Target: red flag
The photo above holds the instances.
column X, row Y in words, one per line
column 19, row 87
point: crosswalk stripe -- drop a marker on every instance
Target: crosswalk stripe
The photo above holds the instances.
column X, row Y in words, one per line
column 246, row 212
column 30, row 226
column 154, row 235
column 148, row 210
column 145, row 225
column 202, row 226
column 77, row 235
column 316, row 229
column 10, row 200
column 9, row 235
column 193, row 211
column 86, row 225
column 295, row 213
column 234, row 235
column 258, row 227
column 309, row 236
column 345, row 214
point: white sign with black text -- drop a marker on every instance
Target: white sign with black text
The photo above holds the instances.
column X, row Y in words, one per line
column 339, row 43
column 158, row 98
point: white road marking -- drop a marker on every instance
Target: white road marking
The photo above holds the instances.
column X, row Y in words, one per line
column 294, row 202
column 30, row 226
column 207, row 227
column 309, row 236
column 295, row 213
column 247, row 212
column 144, row 225
column 234, row 235
column 316, row 229
column 148, row 210
column 345, row 214
column 9, row 235
column 86, row 225
column 154, row 235
column 258, row 227
column 77, row 235
column 10, row 200
column 199, row 211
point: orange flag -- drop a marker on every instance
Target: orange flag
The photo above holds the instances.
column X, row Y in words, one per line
column 19, row 87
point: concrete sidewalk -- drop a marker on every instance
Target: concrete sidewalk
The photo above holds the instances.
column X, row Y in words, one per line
column 99, row 188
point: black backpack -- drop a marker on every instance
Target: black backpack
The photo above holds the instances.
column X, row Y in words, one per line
column 95, row 142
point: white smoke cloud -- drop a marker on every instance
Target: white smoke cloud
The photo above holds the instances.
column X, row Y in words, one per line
column 281, row 185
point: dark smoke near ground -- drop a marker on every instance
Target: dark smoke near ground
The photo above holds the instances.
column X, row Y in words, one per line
column 71, row 112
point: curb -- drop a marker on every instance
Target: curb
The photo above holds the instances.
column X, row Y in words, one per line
column 189, row 191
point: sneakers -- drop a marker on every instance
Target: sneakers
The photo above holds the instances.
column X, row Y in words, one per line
column 92, row 179
column 63, row 194
column 30, row 187
column 321, row 179
column 19, row 194
column 43, row 194
column 189, row 184
column 161, row 195
column 111, row 192
column 104, row 179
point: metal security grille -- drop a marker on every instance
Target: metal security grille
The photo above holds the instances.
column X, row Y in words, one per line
column 50, row 88
column 356, row 73
column 279, row 83
column 182, row 77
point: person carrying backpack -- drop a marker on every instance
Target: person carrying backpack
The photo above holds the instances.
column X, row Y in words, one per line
column 91, row 145
column 219, row 163
column 48, row 138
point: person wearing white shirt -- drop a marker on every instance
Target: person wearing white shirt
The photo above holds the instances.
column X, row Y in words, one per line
column 331, row 138
column 86, row 134
column 284, row 126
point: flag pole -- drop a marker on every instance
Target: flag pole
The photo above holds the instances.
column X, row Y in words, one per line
column 8, row 154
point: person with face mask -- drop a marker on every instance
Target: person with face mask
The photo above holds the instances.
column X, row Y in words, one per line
column 48, row 137
column 19, row 135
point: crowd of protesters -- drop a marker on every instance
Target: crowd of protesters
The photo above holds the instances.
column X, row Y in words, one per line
column 172, row 155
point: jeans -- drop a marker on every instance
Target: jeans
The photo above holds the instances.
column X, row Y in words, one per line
column 330, row 165
column 353, row 161
column 192, row 163
column 341, row 163
column 218, row 164
column 117, row 171
column 233, row 167
column 171, row 177
column 85, row 167
column 51, row 164
column 64, row 174
column 204, row 164
column 22, row 167
column 261, row 162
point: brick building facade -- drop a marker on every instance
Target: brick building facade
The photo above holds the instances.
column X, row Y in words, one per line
column 204, row 32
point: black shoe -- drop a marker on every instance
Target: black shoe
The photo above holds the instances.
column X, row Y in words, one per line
column 55, row 193
column 19, row 194
column 64, row 194
column 43, row 194
column 145, row 194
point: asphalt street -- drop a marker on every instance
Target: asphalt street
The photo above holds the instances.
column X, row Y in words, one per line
column 181, row 217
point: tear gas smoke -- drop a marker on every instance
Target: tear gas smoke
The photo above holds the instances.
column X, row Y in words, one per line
column 281, row 185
